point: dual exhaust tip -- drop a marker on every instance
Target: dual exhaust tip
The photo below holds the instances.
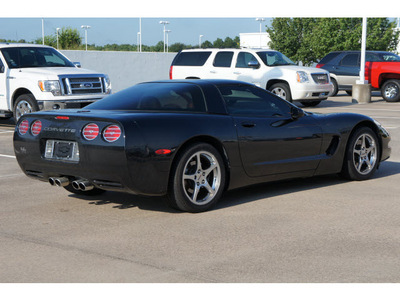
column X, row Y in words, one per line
column 82, row 184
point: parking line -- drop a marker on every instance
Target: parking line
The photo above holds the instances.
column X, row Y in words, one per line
column 7, row 131
column 8, row 156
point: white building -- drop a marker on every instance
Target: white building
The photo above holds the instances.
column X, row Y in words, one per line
column 254, row 40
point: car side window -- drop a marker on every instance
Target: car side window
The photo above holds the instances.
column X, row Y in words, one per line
column 1, row 67
column 244, row 58
column 245, row 100
column 351, row 60
column 371, row 57
column 223, row 59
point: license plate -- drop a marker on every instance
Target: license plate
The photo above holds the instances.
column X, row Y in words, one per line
column 62, row 150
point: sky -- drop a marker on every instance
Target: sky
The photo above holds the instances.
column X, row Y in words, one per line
column 125, row 30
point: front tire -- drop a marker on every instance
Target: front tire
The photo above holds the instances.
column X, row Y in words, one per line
column 198, row 179
column 391, row 90
column 24, row 104
column 362, row 155
column 282, row 90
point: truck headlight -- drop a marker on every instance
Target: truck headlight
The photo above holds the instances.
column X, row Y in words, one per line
column 107, row 82
column 302, row 76
column 52, row 86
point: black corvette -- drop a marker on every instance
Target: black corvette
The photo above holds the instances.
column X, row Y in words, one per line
column 191, row 140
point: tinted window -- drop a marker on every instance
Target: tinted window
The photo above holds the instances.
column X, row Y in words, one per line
column 351, row 60
column 33, row 57
column 387, row 56
column 274, row 58
column 372, row 57
column 329, row 57
column 155, row 96
column 191, row 58
column 243, row 60
column 252, row 101
column 223, row 59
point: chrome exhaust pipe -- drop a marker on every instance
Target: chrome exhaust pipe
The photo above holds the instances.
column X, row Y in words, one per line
column 58, row 181
column 83, row 185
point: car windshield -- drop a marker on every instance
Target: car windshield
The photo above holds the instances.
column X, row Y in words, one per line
column 183, row 97
column 274, row 58
column 34, row 57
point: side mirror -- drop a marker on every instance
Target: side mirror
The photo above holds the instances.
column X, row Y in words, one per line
column 77, row 64
column 253, row 64
column 297, row 113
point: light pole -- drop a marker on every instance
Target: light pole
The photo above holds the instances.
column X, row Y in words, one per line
column 164, row 23
column 57, row 29
column 86, row 27
column 200, row 36
column 167, row 32
column 261, row 20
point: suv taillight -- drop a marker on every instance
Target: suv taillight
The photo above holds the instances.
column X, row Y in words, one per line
column 320, row 65
column 112, row 133
column 90, row 131
column 23, row 127
column 170, row 72
column 36, row 127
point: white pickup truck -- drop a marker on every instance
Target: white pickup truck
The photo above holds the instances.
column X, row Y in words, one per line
column 268, row 69
column 36, row 77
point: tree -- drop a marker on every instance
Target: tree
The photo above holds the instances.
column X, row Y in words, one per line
column 310, row 39
column 69, row 38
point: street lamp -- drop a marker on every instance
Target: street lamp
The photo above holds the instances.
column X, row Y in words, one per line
column 200, row 36
column 167, row 31
column 164, row 23
column 86, row 27
column 57, row 29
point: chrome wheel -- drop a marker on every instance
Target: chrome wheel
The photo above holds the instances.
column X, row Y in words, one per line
column 279, row 92
column 201, row 178
column 391, row 91
column 365, row 154
column 23, row 107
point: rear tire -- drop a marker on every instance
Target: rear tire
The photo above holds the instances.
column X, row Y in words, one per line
column 391, row 90
column 362, row 155
column 197, row 180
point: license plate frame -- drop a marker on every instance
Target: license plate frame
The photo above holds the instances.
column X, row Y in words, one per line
column 61, row 150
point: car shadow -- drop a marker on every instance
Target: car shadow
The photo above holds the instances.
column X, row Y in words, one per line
column 118, row 200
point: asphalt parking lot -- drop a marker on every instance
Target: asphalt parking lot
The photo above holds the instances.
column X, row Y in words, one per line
column 322, row 229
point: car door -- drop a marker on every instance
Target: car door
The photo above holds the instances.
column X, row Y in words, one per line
column 3, row 86
column 247, row 68
column 221, row 65
column 348, row 70
column 271, row 140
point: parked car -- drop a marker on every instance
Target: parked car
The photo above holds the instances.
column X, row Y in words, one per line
column 267, row 69
column 37, row 77
column 382, row 70
column 191, row 140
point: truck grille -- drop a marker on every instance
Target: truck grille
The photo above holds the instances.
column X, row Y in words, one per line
column 320, row 78
column 76, row 85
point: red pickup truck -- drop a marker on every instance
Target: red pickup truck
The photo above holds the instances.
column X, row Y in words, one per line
column 382, row 70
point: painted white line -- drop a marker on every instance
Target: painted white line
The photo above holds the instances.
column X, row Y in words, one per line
column 8, row 156
column 6, row 131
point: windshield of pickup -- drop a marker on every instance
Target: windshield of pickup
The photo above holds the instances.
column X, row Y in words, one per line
column 34, row 57
column 274, row 58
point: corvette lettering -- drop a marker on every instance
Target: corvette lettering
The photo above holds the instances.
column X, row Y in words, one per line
column 55, row 129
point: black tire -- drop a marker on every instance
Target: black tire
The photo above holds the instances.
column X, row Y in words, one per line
column 93, row 192
column 362, row 155
column 391, row 90
column 282, row 90
column 204, row 169
column 310, row 103
column 335, row 87
column 24, row 104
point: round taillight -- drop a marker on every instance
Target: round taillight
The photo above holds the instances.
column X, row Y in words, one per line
column 112, row 133
column 23, row 127
column 36, row 127
column 90, row 131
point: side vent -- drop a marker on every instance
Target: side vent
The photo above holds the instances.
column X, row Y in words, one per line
column 333, row 145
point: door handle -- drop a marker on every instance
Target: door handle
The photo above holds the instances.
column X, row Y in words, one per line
column 213, row 72
column 237, row 73
column 248, row 124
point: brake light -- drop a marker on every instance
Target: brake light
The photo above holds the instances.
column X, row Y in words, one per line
column 320, row 65
column 112, row 133
column 90, row 131
column 36, row 127
column 170, row 72
column 62, row 118
column 23, row 127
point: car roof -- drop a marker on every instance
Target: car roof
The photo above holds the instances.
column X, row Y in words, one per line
column 202, row 81
column 9, row 45
column 226, row 49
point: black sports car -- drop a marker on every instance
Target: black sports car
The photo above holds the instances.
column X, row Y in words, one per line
column 192, row 140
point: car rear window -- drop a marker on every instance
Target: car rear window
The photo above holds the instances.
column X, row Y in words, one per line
column 329, row 57
column 192, row 58
column 183, row 97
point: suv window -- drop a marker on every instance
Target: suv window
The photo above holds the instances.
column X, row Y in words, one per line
column 351, row 60
column 329, row 57
column 223, row 59
column 243, row 59
column 252, row 101
column 192, row 58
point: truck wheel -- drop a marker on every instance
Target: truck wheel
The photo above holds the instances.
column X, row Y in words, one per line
column 24, row 104
column 391, row 90
column 282, row 90
column 335, row 87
